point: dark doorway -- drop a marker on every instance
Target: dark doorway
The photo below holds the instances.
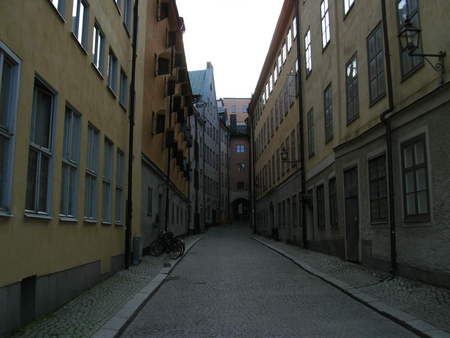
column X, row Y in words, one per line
column 27, row 300
column 240, row 209
column 352, row 214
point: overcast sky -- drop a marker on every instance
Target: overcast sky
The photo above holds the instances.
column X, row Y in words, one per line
column 234, row 35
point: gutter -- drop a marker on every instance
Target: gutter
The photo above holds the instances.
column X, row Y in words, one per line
column 129, row 207
column 301, row 136
column 385, row 120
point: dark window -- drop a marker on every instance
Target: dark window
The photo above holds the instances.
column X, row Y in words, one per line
column 163, row 66
column 378, row 190
column 240, row 186
column 328, row 114
column 415, row 180
column 320, row 197
column 311, row 145
column 351, row 82
column 160, row 123
column 332, row 196
column 375, row 56
column 409, row 9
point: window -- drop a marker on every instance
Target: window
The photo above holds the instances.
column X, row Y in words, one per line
column 120, row 173
column 293, row 149
column 280, row 63
column 149, row 201
column 320, row 198
column 112, row 71
column 283, row 52
column 270, row 84
column 123, row 97
column 92, row 155
column 415, row 180
column 328, row 114
column 40, row 155
column 308, row 55
column 351, row 82
column 107, row 181
column 348, row 4
column 98, row 49
column 375, row 56
column 127, row 13
column 289, row 40
column 70, row 163
column 118, row 4
column 378, row 190
column 240, row 148
column 59, row 5
column 294, row 27
column 332, row 199
column 275, row 75
column 311, row 146
column 9, row 88
column 80, row 20
column 409, row 9
column 325, row 18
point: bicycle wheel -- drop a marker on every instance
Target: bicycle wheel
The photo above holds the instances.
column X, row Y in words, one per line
column 156, row 248
column 177, row 249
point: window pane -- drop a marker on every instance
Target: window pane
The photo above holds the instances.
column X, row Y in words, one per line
column 408, row 156
column 5, row 95
column 422, row 202
column 3, row 162
column 409, row 182
column 42, row 118
column 419, row 152
column 43, row 183
column 421, row 179
column 64, row 190
column 31, row 180
column 411, row 204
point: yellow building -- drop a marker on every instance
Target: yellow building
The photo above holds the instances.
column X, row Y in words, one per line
column 65, row 76
column 374, row 120
column 165, row 130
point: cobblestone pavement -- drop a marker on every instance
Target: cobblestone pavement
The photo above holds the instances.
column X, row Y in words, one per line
column 231, row 286
column 84, row 315
column 423, row 301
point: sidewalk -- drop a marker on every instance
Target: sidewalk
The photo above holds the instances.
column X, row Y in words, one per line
column 89, row 312
column 411, row 303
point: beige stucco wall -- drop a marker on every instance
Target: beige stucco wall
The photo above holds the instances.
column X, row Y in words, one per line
column 45, row 44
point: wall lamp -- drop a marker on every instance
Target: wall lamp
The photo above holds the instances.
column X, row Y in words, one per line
column 410, row 40
column 285, row 156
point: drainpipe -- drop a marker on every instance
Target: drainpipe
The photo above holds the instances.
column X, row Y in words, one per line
column 252, row 165
column 129, row 208
column 301, row 136
column 388, row 138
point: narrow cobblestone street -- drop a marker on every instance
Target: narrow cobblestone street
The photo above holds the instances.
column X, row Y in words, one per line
column 230, row 285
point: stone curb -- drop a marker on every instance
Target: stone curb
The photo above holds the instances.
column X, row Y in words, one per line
column 411, row 323
column 119, row 322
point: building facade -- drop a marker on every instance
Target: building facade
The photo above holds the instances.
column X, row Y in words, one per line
column 204, row 91
column 65, row 74
column 237, row 121
column 376, row 182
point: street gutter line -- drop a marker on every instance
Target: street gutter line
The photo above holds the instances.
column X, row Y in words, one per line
column 417, row 326
column 115, row 326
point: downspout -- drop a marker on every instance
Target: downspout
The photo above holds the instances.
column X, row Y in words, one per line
column 196, row 158
column 301, row 133
column 388, row 138
column 129, row 207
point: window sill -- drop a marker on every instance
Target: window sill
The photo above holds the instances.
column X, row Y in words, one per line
column 106, row 223
column 349, row 122
column 124, row 108
column 324, row 48
column 119, row 225
column 90, row 221
column 4, row 213
column 349, row 10
column 97, row 71
column 117, row 7
column 112, row 92
column 376, row 100
column 412, row 72
column 127, row 30
column 30, row 214
column 68, row 219
column 78, row 43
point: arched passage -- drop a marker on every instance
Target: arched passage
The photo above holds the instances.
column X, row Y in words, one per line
column 240, row 209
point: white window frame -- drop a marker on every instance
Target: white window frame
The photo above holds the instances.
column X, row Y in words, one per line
column 119, row 193
column 92, row 166
column 284, row 52
column 112, row 71
column 59, row 6
column 9, row 132
column 108, row 165
column 70, row 163
column 348, row 4
column 98, row 48
column 42, row 151
column 289, row 40
column 308, row 53
column 294, row 27
column 325, row 19
column 80, row 28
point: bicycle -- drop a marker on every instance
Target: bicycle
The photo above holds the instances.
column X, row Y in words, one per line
column 167, row 243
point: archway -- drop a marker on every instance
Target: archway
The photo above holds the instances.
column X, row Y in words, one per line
column 240, row 209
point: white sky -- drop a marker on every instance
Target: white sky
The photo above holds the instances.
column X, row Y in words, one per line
column 234, row 35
